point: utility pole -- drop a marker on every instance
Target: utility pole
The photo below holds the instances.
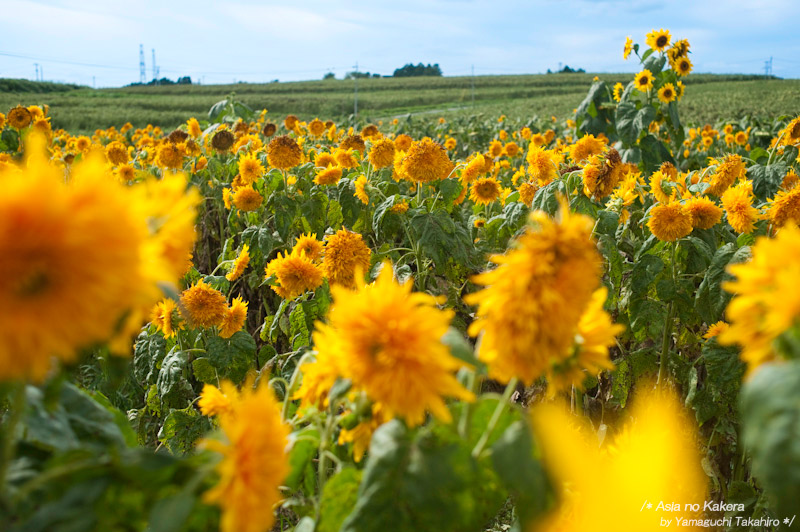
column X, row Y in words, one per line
column 155, row 72
column 37, row 71
column 768, row 68
column 94, row 85
column 142, row 69
column 41, row 72
column 473, row 85
column 355, row 94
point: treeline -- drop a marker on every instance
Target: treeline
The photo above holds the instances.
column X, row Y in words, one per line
column 40, row 87
column 185, row 80
column 410, row 70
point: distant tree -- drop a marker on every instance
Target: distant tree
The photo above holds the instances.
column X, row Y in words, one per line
column 411, row 70
column 329, row 75
column 185, row 80
column 567, row 70
column 360, row 75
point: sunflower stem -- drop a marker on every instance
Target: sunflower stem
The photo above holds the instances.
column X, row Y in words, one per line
column 287, row 400
column 16, row 396
column 467, row 408
column 498, row 412
column 662, row 366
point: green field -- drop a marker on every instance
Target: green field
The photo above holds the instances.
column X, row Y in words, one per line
column 709, row 98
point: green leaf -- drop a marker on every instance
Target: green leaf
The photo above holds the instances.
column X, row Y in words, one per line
column 767, row 179
column 298, row 328
column 338, row 499
column 171, row 513
column 770, row 407
column 232, row 357
column 654, row 63
column 459, row 346
column 440, row 238
column 644, row 273
column 173, row 388
column 148, row 353
column 304, row 445
column 711, row 299
column 520, row 472
column 204, row 371
column 182, row 428
column 546, row 198
column 625, row 115
column 654, row 153
column 450, row 189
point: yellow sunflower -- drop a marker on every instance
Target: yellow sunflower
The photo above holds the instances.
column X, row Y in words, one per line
column 738, row 204
column 193, row 126
column 19, row 117
column 528, row 312
column 294, row 274
column 345, row 255
column 619, row 88
column 329, row 176
column 784, row 207
column 164, row 318
column 473, row 169
column 658, row 40
column 527, row 191
column 117, row 153
column 704, row 212
column 169, row 155
column 234, row 318
column 542, row 164
column 309, row 246
column 403, row 142
column 667, row 93
column 202, row 305
column 316, row 127
column 644, row 80
column 247, row 199
column 426, row 161
column 283, row 152
column 353, row 142
column 222, row 140
column 254, row 460
column 250, row 168
column 669, row 222
column 728, row 171
column 601, row 175
column 766, row 301
column 628, row 48
column 381, row 154
column 361, row 189
column 683, row 66
column 388, row 343
column 239, row 264
column 485, row 190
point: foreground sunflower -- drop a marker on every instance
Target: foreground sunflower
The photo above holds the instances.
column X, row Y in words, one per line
column 254, row 461
column 388, row 343
column 533, row 300
column 766, row 301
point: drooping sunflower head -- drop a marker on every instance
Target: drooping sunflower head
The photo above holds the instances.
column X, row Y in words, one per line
column 193, row 127
column 328, row 176
column 728, row 171
column 658, row 40
column 644, row 80
column 619, row 88
column 234, row 318
column 704, row 212
column 239, row 264
column 473, row 169
column 290, row 122
column 387, row 341
column 361, row 189
column 117, row 153
column 165, row 317
column 354, row 142
column 602, row 174
column 485, row 190
column 222, row 140
column 269, row 129
column 283, row 152
column 370, row 132
column 628, row 48
column 426, row 161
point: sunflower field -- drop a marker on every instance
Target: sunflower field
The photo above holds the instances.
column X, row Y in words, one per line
column 252, row 324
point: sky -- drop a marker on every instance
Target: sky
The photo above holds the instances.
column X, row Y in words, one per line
column 96, row 42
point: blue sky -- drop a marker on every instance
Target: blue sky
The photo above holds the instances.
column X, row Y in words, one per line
column 260, row 41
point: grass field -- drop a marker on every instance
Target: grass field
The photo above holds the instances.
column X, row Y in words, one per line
column 709, row 98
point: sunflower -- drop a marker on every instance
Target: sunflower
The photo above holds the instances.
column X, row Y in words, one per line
column 495, row 149
column 2, row 121
column 316, row 128
column 785, row 206
column 667, row 93
column 254, row 460
column 658, row 40
column 402, row 142
column 324, row 159
column 740, row 138
column 669, row 222
column 602, row 175
column 164, row 318
column 222, row 140
column 595, row 334
column 728, row 171
column 511, row 149
column 370, row 132
column 381, row 154
column 247, row 199
column 19, row 117
column 361, row 189
column 117, row 153
column 193, row 126
column 766, row 301
column 450, row 144
column 716, row 329
column 388, row 342
column 353, row 142
column 399, row 208
column 584, row 147
column 473, row 169
column 250, row 168
column 738, row 204
column 202, row 305
column 527, row 191
column 426, row 161
column 239, row 264
column 72, row 261
column 485, row 190
column 329, row 176
column 290, row 122
column 234, row 318
column 309, row 246
column 217, row 401
column 643, row 80
column 619, row 88
column 628, row 48
column 294, row 274
column 542, row 165
column 283, row 152
column 682, row 66
column 269, row 129
column 361, row 435
column 126, row 173
column 319, row 376
column 789, row 136
column 345, row 158
column 533, row 300
column 345, row 255
column 704, row 212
